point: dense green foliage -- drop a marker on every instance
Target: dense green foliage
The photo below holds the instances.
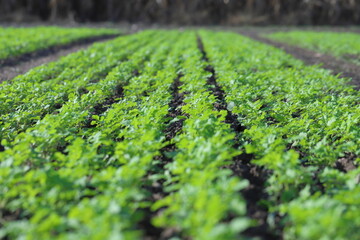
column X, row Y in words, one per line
column 86, row 154
column 201, row 194
column 300, row 120
column 17, row 41
column 344, row 45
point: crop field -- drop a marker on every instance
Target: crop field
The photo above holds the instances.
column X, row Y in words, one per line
column 343, row 45
column 167, row 134
column 17, row 41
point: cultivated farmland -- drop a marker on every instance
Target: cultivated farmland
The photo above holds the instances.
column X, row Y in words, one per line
column 17, row 41
column 343, row 45
column 179, row 135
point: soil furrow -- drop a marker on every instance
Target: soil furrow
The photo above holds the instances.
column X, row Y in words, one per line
column 336, row 66
column 174, row 126
column 346, row 163
column 243, row 167
column 12, row 67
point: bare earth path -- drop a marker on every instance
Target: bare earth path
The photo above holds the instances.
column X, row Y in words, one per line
column 10, row 68
column 337, row 66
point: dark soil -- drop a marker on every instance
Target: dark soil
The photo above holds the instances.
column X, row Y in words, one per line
column 337, row 66
column 253, row 195
column 7, row 216
column 175, row 111
column 221, row 103
column 352, row 57
column 12, row 67
column 346, row 164
column 243, row 168
column 157, row 188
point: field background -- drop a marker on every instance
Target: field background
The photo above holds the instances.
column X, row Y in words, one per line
column 185, row 12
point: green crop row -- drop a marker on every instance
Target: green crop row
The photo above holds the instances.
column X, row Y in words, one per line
column 343, row 45
column 200, row 194
column 30, row 97
column 299, row 122
column 17, row 41
column 65, row 177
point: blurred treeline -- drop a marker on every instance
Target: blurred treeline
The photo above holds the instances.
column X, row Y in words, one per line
column 188, row 12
